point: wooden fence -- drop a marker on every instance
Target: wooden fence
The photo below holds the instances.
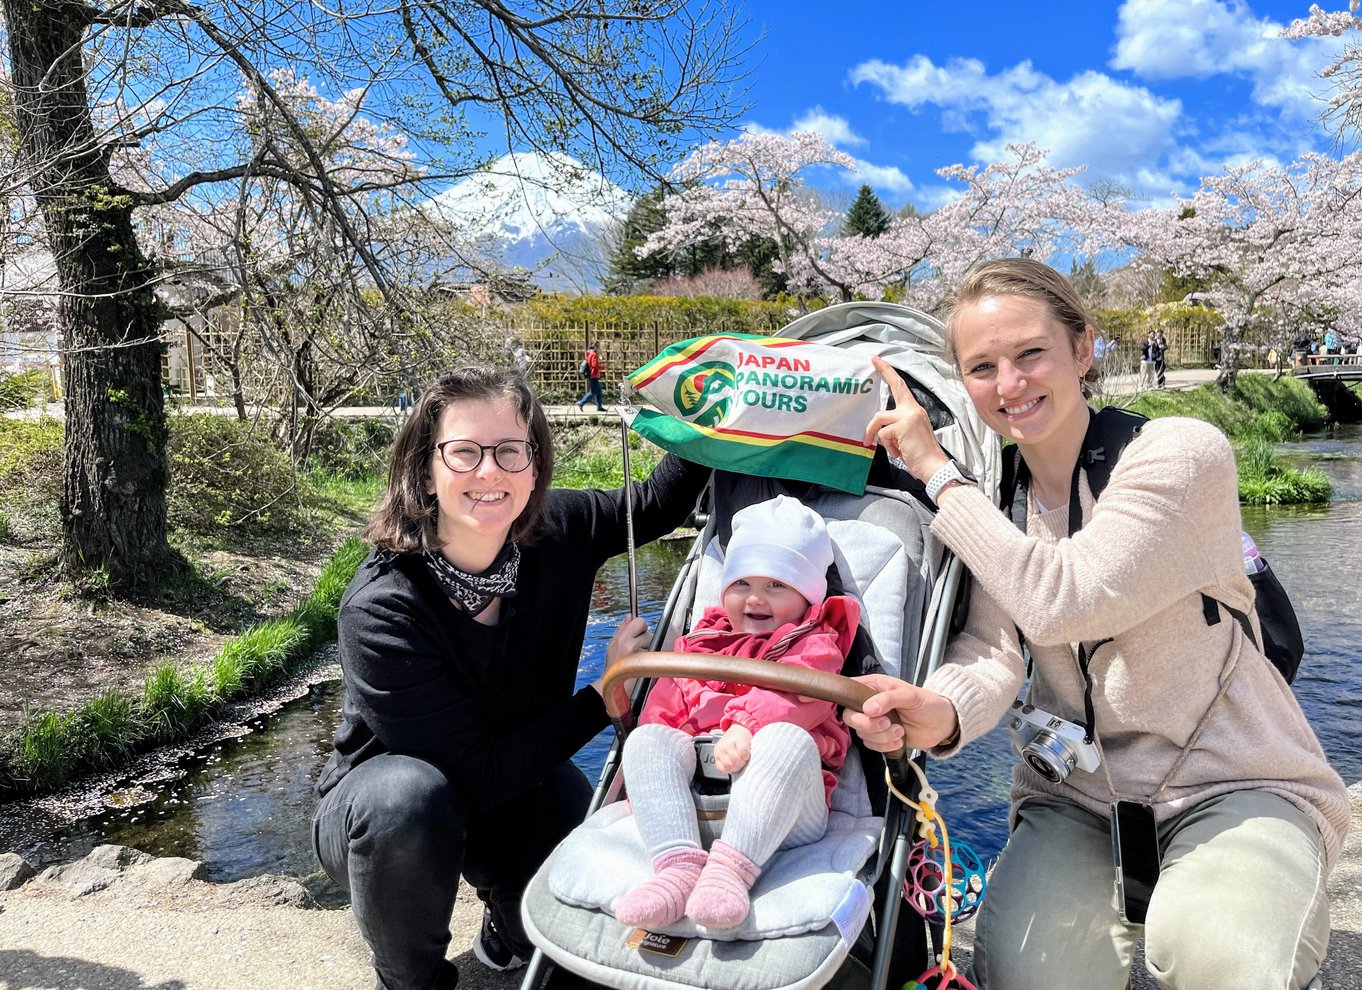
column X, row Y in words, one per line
column 556, row 353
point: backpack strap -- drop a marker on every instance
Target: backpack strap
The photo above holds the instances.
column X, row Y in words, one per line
column 1110, row 430
column 1012, row 488
column 1210, row 610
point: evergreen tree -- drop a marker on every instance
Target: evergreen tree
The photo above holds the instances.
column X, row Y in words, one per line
column 627, row 269
column 867, row 217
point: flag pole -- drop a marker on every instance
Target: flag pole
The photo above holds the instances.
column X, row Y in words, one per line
column 628, row 500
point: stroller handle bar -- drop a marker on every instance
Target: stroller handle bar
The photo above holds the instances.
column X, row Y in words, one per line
column 791, row 679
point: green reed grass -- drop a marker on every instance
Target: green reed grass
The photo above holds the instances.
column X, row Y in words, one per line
column 1265, row 480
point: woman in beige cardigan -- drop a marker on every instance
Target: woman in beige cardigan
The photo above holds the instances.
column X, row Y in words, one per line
column 1188, row 720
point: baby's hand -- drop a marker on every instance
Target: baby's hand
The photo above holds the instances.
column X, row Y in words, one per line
column 733, row 749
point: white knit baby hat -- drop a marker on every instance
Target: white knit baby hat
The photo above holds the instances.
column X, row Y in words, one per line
column 782, row 539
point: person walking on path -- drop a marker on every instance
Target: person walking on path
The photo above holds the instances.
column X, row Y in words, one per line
column 459, row 642
column 1148, row 351
column 1160, row 359
column 591, row 363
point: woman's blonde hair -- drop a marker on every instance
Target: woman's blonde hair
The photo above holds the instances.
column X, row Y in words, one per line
column 1035, row 280
column 405, row 519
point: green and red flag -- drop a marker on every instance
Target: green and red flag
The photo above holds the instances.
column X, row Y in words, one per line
column 767, row 406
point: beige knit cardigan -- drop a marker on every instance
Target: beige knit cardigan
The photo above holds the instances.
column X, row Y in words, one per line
column 1165, row 529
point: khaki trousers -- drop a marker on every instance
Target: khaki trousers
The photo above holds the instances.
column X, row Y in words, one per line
column 1240, row 901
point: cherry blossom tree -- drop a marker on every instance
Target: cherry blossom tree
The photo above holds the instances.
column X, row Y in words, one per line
column 1343, row 108
column 1266, row 239
column 616, row 83
column 753, row 186
column 756, row 185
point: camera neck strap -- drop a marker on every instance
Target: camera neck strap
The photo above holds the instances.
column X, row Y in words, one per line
column 1022, row 475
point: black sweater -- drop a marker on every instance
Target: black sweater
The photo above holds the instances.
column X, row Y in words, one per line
column 491, row 706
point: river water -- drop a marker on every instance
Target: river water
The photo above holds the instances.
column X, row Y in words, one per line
column 243, row 805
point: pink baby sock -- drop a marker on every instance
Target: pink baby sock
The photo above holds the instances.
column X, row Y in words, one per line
column 662, row 900
column 721, row 898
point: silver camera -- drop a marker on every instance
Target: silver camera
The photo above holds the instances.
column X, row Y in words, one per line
column 1050, row 745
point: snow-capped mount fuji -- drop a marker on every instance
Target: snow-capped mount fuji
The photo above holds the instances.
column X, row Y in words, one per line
column 548, row 214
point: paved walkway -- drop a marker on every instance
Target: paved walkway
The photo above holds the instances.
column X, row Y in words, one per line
column 1122, row 385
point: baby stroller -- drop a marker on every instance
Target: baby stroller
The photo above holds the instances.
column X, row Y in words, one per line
column 828, row 912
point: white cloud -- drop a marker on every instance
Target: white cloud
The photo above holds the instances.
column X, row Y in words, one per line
column 1180, row 39
column 882, row 178
column 1117, row 129
column 834, row 128
column 1170, row 39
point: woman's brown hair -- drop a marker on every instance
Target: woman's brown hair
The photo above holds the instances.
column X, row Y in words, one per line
column 405, row 518
column 1036, row 280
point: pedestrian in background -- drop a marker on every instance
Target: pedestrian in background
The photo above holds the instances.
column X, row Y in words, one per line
column 591, row 371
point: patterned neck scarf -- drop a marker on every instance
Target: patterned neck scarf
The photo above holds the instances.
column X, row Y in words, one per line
column 474, row 592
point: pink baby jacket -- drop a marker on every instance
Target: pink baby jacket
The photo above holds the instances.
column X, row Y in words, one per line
column 820, row 640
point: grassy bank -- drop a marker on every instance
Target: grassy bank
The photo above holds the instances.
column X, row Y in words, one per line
column 176, row 699
column 1255, row 415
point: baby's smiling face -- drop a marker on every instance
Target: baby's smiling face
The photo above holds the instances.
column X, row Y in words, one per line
column 760, row 604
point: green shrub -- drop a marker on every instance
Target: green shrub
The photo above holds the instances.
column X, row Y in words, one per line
column 352, row 448
column 31, row 467
column 1289, row 487
column 22, row 390
column 703, row 314
column 31, row 454
column 229, row 481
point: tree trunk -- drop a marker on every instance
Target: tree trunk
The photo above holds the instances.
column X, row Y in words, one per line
column 238, row 394
column 113, row 505
column 1229, row 357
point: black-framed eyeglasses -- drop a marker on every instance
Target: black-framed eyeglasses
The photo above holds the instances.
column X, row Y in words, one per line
column 463, row 456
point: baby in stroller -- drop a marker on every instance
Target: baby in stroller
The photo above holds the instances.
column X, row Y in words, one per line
column 782, row 751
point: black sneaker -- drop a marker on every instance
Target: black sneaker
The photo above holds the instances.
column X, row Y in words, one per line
column 491, row 950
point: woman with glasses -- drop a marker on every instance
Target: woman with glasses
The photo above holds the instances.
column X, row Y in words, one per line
column 459, row 643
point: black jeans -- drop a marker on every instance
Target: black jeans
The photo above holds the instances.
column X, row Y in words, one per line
column 396, row 836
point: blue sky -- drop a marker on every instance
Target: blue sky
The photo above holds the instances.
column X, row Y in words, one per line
column 1151, row 94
